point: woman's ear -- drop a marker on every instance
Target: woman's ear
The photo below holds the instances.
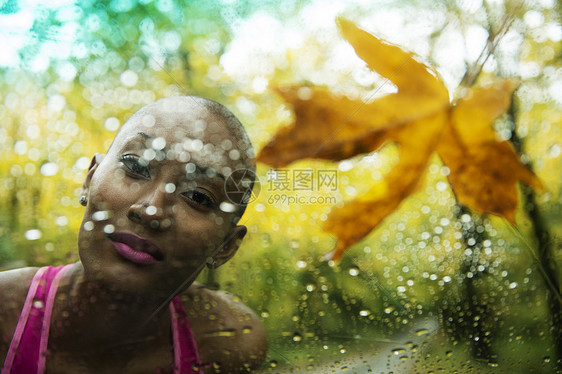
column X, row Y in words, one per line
column 91, row 169
column 230, row 246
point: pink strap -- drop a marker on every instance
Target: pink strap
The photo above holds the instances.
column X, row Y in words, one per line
column 47, row 318
column 22, row 321
column 186, row 359
column 28, row 349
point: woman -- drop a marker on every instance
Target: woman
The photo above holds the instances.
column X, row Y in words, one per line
column 156, row 213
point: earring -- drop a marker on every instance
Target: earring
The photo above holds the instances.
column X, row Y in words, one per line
column 211, row 263
column 83, row 200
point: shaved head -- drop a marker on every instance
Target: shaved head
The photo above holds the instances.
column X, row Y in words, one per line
column 182, row 106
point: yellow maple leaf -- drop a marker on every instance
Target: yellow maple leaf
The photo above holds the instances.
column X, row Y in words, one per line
column 419, row 119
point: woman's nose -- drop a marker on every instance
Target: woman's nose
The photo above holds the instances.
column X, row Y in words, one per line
column 152, row 211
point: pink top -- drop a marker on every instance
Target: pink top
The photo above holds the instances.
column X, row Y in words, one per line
column 28, row 349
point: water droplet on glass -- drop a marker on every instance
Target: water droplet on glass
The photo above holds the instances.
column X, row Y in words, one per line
column 226, row 333
column 149, row 155
column 49, row 169
column 297, row 337
column 227, row 207
column 61, row 221
column 38, row 304
column 158, row 144
column 398, row 351
column 421, row 332
column 109, row 229
column 354, row 271
column 88, row 226
column 112, row 124
column 183, row 156
column 190, row 167
column 441, row 186
column 170, row 187
column 151, row 210
column 389, row 309
column 200, row 125
column 196, row 145
column 33, row 234
column 33, row 131
column 100, row 215
column 148, row 120
column 20, row 147
column 129, row 78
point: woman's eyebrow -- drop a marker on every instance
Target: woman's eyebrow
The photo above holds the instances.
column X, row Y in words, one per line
column 144, row 135
column 200, row 169
column 133, row 137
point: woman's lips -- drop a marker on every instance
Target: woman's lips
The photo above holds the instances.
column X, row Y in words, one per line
column 136, row 249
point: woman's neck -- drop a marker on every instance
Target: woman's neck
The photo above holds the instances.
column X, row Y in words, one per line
column 92, row 316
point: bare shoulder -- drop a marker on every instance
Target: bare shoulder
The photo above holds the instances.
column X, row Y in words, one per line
column 14, row 285
column 227, row 332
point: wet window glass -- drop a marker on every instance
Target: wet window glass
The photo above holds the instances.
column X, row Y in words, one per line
column 393, row 205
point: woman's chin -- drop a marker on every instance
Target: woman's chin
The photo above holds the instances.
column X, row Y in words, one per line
column 121, row 275
column 124, row 276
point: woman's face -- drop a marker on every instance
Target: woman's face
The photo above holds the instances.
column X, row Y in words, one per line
column 157, row 207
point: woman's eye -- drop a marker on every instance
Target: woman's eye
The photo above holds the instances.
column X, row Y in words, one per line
column 136, row 165
column 200, row 198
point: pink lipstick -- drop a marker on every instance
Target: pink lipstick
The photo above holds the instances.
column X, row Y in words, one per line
column 135, row 248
